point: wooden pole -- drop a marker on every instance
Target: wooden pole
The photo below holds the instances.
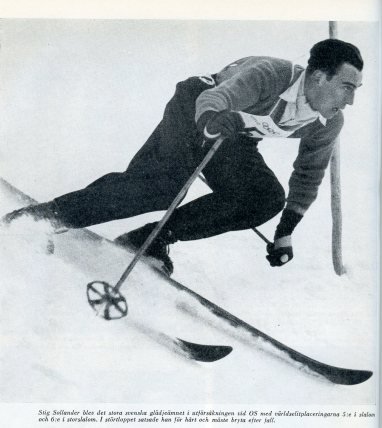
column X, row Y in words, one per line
column 335, row 185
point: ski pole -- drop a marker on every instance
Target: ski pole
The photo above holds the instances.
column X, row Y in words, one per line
column 267, row 241
column 105, row 297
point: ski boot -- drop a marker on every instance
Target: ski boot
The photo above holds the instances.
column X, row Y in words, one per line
column 37, row 212
column 159, row 248
column 45, row 211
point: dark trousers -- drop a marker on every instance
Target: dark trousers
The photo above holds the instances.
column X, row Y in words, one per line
column 245, row 192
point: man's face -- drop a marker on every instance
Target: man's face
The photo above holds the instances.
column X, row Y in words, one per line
column 333, row 95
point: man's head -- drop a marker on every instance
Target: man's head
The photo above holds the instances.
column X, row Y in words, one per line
column 333, row 74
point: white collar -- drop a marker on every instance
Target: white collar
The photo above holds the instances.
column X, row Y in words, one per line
column 297, row 90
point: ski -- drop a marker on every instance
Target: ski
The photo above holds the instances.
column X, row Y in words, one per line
column 337, row 375
column 189, row 350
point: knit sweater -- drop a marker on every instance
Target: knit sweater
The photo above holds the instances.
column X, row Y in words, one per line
column 253, row 85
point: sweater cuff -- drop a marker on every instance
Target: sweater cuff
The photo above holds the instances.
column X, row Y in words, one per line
column 285, row 241
column 288, row 222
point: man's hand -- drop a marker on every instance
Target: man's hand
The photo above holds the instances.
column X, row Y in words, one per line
column 281, row 252
column 225, row 123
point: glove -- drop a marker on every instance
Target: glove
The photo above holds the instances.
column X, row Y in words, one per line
column 281, row 252
column 225, row 123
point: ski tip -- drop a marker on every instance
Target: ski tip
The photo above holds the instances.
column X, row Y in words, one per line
column 348, row 376
column 205, row 353
column 358, row 376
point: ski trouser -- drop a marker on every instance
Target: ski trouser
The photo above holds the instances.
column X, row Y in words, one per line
column 245, row 192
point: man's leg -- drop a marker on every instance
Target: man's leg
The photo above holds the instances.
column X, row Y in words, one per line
column 246, row 193
column 154, row 176
column 116, row 196
column 150, row 184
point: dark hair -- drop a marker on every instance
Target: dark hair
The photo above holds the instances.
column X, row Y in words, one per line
column 328, row 55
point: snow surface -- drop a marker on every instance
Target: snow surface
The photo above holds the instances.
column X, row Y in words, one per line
column 79, row 98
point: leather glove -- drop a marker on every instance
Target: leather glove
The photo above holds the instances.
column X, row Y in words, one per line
column 280, row 252
column 226, row 123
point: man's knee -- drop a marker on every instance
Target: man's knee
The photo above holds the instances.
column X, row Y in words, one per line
column 262, row 206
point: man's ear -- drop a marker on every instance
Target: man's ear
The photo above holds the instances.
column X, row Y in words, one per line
column 319, row 77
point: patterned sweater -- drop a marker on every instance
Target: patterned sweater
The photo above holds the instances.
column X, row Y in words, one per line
column 253, row 85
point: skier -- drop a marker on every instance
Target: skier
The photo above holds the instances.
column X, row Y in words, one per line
column 248, row 100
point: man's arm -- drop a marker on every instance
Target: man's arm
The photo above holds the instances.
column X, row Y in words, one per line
column 251, row 84
column 247, row 87
column 309, row 169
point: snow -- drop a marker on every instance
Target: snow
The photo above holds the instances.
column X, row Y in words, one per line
column 79, row 99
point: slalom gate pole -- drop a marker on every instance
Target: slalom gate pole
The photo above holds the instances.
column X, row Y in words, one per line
column 335, row 187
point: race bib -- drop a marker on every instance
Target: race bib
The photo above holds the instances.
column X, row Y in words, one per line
column 263, row 127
